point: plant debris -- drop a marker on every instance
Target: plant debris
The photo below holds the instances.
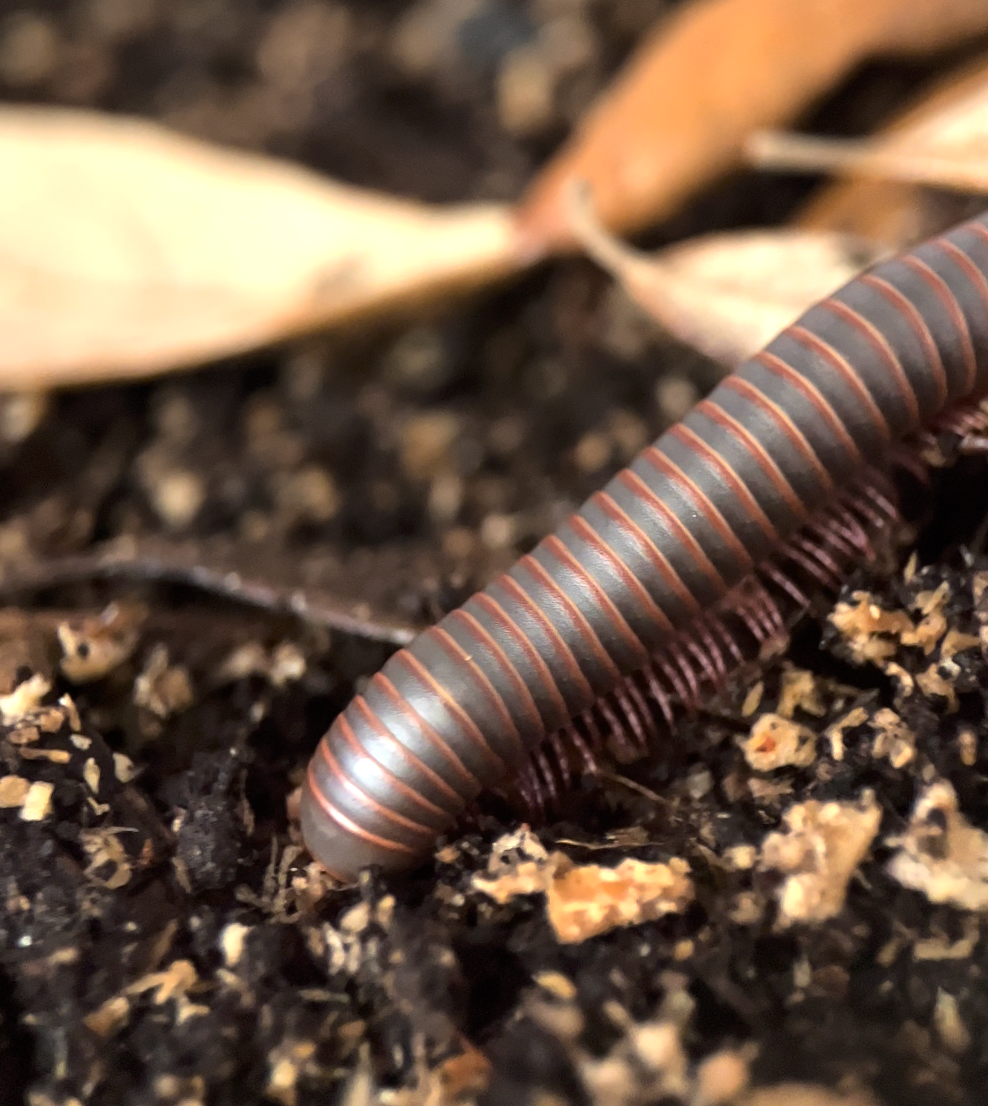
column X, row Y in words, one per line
column 947, row 119
column 583, row 901
column 201, row 570
column 941, row 854
column 729, row 294
column 658, row 134
column 776, row 741
column 818, row 852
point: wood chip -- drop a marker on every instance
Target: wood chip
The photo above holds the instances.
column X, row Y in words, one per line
column 162, row 688
column 941, row 854
column 894, row 741
column 25, row 698
column 800, row 691
column 107, row 1019
column 818, row 851
column 109, row 864
column 13, row 791
column 463, row 1077
column 231, row 942
column 37, row 801
column 949, row 1024
column 720, row 1078
column 776, row 742
column 870, row 632
column 584, row 901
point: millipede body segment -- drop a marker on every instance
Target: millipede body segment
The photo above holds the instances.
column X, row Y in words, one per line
column 635, row 596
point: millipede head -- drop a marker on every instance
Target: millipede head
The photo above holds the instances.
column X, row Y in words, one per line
column 343, row 851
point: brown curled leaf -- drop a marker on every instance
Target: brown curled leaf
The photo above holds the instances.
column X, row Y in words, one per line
column 127, row 250
column 677, row 116
column 728, row 294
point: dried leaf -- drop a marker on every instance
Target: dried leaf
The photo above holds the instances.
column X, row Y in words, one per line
column 951, row 121
column 126, row 249
column 729, row 294
column 677, row 116
column 960, row 169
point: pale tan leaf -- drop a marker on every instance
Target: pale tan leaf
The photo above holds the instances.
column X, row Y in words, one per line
column 942, row 136
column 729, row 294
column 678, row 114
column 962, row 170
column 126, row 249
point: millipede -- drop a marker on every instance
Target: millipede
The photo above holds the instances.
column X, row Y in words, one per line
column 682, row 567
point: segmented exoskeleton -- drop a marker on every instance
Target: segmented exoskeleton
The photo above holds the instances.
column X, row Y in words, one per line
column 640, row 598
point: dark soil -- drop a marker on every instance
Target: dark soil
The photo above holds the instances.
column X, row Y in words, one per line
column 165, row 938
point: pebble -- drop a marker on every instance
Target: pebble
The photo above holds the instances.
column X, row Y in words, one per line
column 498, row 531
column 592, row 452
column 675, row 396
column 177, row 497
column 426, row 440
column 29, row 49
column 525, row 92
column 308, row 495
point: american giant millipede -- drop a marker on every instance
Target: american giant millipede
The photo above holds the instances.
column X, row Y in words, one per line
column 648, row 592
